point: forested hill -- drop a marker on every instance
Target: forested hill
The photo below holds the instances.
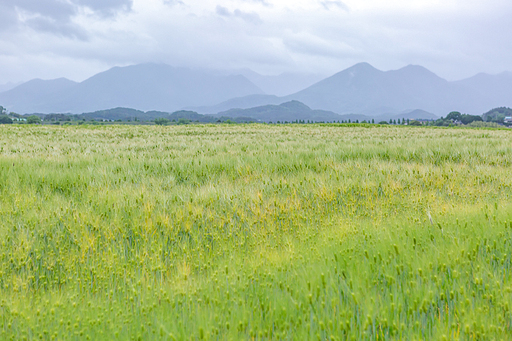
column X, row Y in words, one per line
column 497, row 115
column 289, row 111
column 133, row 115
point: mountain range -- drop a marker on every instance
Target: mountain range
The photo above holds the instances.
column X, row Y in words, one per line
column 362, row 89
column 143, row 87
column 358, row 90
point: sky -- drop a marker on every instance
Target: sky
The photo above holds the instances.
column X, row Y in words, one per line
column 77, row 38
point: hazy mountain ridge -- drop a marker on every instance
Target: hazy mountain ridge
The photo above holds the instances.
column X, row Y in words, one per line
column 8, row 86
column 494, row 88
column 36, row 94
column 283, row 84
column 358, row 90
column 245, row 102
column 362, row 89
column 143, row 86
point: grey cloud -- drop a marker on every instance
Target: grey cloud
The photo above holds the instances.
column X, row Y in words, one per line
column 7, row 17
column 56, row 10
column 328, row 4
column 222, row 11
column 252, row 17
column 107, row 7
column 308, row 44
column 249, row 17
column 56, row 16
column 66, row 29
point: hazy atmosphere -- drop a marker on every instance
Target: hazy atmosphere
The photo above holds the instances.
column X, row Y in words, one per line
column 78, row 38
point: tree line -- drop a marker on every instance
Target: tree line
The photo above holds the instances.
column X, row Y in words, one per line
column 495, row 116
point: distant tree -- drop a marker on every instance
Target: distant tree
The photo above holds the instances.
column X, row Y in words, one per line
column 408, row 121
column 162, row 121
column 383, row 122
column 390, row 121
column 4, row 119
column 373, row 121
column 34, row 119
column 467, row 119
column 3, row 111
column 398, row 121
column 182, row 121
column 454, row 116
column 442, row 122
column 415, row 123
column 357, row 121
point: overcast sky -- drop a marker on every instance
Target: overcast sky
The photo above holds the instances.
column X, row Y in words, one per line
column 78, row 38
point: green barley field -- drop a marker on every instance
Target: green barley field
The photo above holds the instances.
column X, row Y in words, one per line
column 255, row 232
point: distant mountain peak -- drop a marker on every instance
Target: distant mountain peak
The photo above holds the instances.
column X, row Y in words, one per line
column 295, row 105
column 414, row 67
column 284, row 112
column 44, row 87
column 56, row 80
column 362, row 66
column 357, row 71
column 489, row 75
column 416, row 71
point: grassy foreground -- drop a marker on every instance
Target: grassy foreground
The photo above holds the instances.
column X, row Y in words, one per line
column 255, row 232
